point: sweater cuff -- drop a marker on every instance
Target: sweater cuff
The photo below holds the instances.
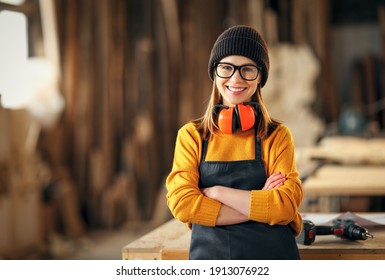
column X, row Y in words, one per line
column 259, row 206
column 208, row 212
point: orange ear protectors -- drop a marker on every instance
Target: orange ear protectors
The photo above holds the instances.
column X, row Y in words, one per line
column 241, row 116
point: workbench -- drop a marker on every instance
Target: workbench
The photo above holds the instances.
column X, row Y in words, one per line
column 171, row 241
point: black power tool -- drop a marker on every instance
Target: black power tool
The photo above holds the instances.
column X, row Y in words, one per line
column 346, row 229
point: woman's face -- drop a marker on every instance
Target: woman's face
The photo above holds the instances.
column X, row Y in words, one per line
column 235, row 90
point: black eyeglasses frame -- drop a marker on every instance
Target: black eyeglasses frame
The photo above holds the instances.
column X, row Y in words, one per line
column 236, row 67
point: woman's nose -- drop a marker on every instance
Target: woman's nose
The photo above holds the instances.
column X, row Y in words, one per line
column 237, row 75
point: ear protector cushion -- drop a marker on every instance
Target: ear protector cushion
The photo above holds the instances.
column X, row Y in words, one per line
column 246, row 116
column 241, row 116
column 225, row 120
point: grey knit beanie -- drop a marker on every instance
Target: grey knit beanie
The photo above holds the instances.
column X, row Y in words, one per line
column 241, row 40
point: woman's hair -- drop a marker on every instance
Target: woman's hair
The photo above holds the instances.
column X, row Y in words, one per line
column 207, row 124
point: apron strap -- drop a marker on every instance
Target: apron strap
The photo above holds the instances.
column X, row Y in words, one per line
column 204, row 150
column 258, row 149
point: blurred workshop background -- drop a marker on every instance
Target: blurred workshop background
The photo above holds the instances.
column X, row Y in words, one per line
column 92, row 93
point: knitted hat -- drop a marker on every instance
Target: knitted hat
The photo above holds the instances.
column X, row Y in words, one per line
column 241, row 40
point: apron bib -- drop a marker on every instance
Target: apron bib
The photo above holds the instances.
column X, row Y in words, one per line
column 250, row 240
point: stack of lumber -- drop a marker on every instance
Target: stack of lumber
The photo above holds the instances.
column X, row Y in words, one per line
column 349, row 175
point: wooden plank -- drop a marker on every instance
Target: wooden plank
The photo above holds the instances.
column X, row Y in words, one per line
column 284, row 15
column 6, row 233
column 370, row 93
column 381, row 19
column 329, row 102
column 172, row 234
column 348, row 150
column 5, row 162
column 331, row 180
column 174, row 254
column 68, row 201
column 316, row 24
column 298, row 19
column 4, row 137
column 255, row 11
column 26, row 219
column 70, row 56
column 173, row 55
column 50, row 40
column 271, row 27
column 4, row 177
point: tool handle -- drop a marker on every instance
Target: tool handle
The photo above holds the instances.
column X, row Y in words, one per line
column 324, row 230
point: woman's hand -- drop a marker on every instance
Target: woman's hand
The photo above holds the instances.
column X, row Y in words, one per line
column 234, row 198
column 274, row 181
column 211, row 192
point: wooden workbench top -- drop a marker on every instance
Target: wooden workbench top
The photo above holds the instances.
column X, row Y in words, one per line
column 173, row 235
column 172, row 239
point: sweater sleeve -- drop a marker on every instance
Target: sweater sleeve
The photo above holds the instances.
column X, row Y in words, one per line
column 184, row 199
column 280, row 205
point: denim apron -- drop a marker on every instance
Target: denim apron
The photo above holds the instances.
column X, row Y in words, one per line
column 249, row 240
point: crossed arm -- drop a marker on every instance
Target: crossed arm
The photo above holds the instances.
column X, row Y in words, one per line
column 236, row 203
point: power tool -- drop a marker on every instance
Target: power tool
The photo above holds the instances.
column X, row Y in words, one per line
column 343, row 228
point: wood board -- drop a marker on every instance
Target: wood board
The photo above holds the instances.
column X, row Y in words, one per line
column 334, row 180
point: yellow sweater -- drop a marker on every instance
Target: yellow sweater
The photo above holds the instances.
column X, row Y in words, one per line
column 277, row 206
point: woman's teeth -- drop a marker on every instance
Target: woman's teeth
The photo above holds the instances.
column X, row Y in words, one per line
column 235, row 89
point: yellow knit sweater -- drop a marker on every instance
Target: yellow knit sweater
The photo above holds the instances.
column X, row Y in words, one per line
column 276, row 206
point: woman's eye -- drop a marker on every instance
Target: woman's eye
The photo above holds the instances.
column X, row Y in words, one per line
column 227, row 68
column 248, row 69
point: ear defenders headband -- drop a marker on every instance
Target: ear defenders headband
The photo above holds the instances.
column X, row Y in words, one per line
column 241, row 116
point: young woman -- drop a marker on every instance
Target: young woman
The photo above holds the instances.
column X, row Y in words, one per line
column 234, row 179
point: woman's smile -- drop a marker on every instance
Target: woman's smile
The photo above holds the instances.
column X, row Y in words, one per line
column 236, row 90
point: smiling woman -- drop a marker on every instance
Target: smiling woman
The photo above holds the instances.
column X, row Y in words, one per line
column 234, row 179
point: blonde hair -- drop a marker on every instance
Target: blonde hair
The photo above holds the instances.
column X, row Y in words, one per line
column 207, row 124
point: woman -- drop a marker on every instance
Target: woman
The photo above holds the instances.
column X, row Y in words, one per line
column 234, row 179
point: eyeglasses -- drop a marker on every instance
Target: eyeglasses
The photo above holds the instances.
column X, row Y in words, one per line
column 248, row 72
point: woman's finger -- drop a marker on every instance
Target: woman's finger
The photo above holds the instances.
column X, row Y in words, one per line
column 274, row 181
